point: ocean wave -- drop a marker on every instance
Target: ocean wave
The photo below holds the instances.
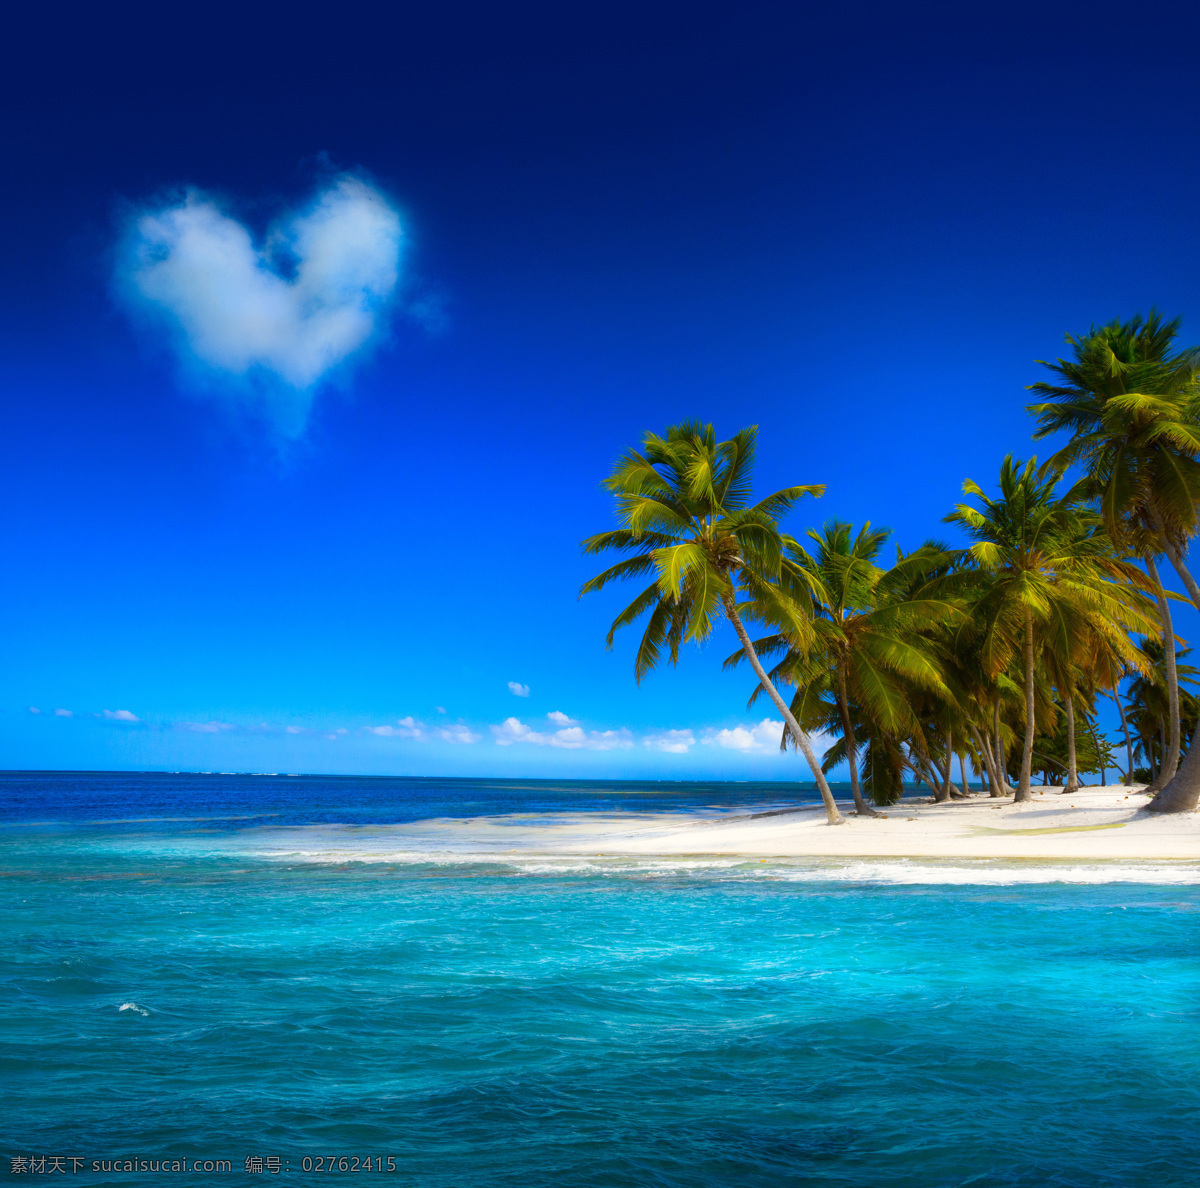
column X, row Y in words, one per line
column 889, row 871
column 611, row 846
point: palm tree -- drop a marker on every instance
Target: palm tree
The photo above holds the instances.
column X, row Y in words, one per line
column 880, row 755
column 979, row 701
column 1132, row 406
column 868, row 639
column 684, row 504
column 1048, row 569
column 1059, row 754
column 1149, row 699
column 1105, row 671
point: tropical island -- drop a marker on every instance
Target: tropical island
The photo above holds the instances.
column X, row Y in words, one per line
column 992, row 656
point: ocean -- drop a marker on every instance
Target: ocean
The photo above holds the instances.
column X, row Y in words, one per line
column 201, row 970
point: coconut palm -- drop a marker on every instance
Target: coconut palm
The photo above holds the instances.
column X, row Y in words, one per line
column 1048, row 568
column 1131, row 403
column 684, row 502
column 869, row 635
column 1058, row 754
column 879, row 755
column 1100, row 669
column 1070, row 653
column 1149, row 700
column 979, row 701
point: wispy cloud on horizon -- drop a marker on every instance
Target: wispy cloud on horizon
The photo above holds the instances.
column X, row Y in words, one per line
column 405, row 728
column 411, row 728
column 673, row 742
column 565, row 733
column 573, row 738
column 266, row 321
column 456, row 734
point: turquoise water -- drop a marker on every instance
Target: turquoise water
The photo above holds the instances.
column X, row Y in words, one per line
column 596, row 1022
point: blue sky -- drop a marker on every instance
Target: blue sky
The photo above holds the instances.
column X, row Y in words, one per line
column 506, row 242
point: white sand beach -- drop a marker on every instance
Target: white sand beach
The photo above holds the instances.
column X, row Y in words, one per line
column 1092, row 824
column 1108, row 826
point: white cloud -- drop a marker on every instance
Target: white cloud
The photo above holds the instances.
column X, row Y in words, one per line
column 286, row 311
column 33, row 709
column 759, row 740
column 121, row 716
column 517, row 689
column 295, row 729
column 63, row 713
column 511, row 730
column 572, row 738
column 609, row 740
column 674, row 742
column 561, row 719
column 441, row 709
column 205, row 727
column 456, row 734
column 405, row 728
column 417, row 731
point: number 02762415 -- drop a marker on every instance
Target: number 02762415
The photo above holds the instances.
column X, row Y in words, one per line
column 349, row 1163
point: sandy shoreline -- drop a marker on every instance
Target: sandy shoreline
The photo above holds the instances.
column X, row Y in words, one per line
column 1093, row 824
column 1096, row 825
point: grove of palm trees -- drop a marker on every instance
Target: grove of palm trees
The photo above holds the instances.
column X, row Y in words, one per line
column 984, row 661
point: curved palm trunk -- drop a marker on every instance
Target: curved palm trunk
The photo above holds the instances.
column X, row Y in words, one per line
column 1099, row 751
column 831, row 809
column 988, row 772
column 1128, row 741
column 1072, row 768
column 1001, row 758
column 989, row 760
column 962, row 766
column 1182, row 794
column 926, row 772
column 943, row 794
column 860, row 805
column 1022, row 792
column 1170, row 761
column 943, row 783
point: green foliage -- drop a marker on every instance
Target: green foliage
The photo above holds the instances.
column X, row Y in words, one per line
column 944, row 653
column 684, row 504
column 1091, row 749
column 873, row 639
column 1148, row 702
column 1046, row 560
column 1132, row 406
column 1054, row 589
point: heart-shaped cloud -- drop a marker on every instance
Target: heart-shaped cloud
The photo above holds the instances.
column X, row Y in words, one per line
column 280, row 317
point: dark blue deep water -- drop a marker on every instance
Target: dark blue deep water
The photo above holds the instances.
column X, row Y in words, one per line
column 173, row 990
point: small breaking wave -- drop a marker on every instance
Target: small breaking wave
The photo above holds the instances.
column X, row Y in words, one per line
column 883, row 871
